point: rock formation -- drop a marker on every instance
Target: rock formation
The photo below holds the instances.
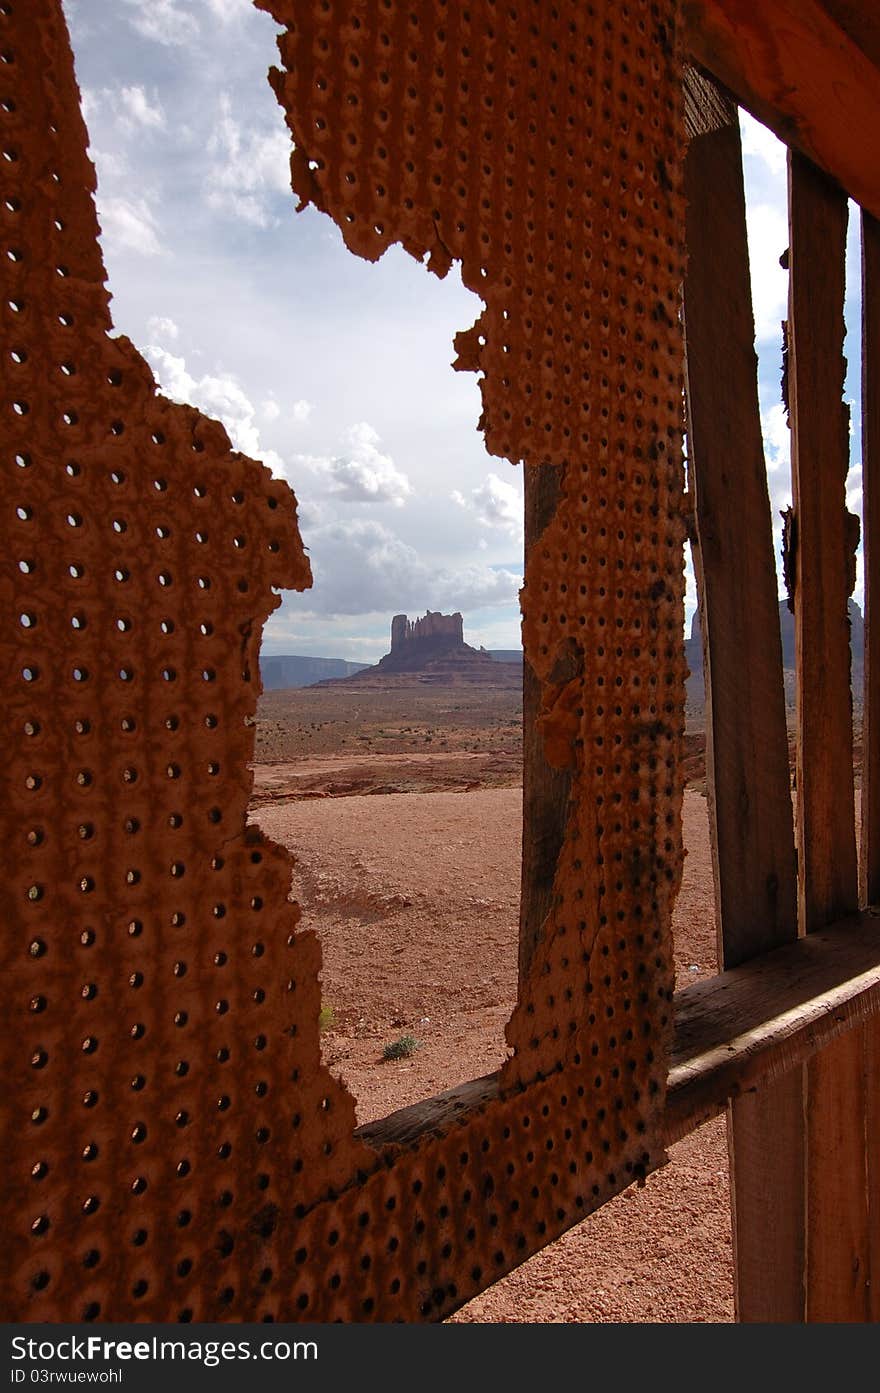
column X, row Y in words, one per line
column 448, row 627
column 693, row 651
column 432, row 650
column 293, row 670
column 435, row 639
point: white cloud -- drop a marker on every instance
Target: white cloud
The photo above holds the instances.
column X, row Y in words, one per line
column 89, row 101
column 760, row 143
column 218, row 395
column 768, row 239
column 228, row 10
column 690, row 592
column 112, row 165
column 298, row 411
column 247, row 168
column 128, row 224
column 361, row 567
column 313, row 513
column 168, row 22
column 495, row 503
column 159, row 326
column 777, row 454
column 854, row 490
column 171, row 373
column 138, row 107
column 363, row 474
column 777, row 440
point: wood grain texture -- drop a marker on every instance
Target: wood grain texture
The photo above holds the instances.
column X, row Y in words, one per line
column 750, row 806
column 748, row 785
column 811, row 80
column 757, row 1022
column 860, row 21
column 869, row 862
column 820, row 458
column 870, row 806
column 871, row 1058
column 546, row 790
column 837, row 1260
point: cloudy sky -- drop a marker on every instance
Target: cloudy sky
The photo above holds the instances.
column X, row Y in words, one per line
column 335, row 372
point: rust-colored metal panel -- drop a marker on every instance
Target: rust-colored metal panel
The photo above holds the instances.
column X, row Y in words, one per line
column 178, row 1149
column 159, row 998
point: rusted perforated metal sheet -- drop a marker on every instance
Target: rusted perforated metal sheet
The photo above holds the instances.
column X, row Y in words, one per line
column 158, row 1174
column 163, row 1007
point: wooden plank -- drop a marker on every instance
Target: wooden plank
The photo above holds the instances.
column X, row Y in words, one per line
column 872, row 1144
column 733, row 1033
column 748, row 780
column 870, row 810
column 757, row 1022
column 860, row 21
column 746, row 741
column 838, row 1234
column 545, row 789
column 837, row 1256
column 869, row 868
column 431, row 1116
column 808, row 78
column 765, row 1142
column 820, row 458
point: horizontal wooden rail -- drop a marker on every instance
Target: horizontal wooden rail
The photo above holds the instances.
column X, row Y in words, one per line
column 733, row 1032
column 810, row 77
column 752, row 1024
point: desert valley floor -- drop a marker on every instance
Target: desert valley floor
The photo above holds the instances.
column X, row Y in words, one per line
column 402, row 809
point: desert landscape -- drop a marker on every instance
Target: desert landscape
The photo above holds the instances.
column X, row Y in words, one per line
column 401, row 801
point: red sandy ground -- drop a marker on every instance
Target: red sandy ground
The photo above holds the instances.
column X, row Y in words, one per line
column 415, row 895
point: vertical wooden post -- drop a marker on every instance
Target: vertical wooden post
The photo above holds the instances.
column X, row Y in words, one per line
column 545, row 789
column 870, row 858
column 837, row 1264
column 749, row 794
column 870, row 819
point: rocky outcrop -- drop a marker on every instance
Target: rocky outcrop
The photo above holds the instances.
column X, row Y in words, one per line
column 693, row 652
column 293, row 670
column 415, row 643
column 432, row 651
column 448, row 628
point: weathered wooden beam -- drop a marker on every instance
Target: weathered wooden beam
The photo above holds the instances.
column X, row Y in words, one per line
column 804, row 75
column 872, row 1146
column 870, row 805
column 431, row 1116
column 837, row 1260
column 861, row 21
column 824, row 555
column 869, row 867
column 751, row 819
column 748, row 781
column 545, row 789
column 762, row 1020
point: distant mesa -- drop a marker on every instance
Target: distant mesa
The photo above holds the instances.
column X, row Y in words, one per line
column 693, row 652
column 431, row 650
column 413, row 635
column 417, row 642
column 291, row 670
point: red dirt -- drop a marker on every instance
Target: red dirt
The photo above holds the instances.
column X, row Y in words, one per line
column 415, row 895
